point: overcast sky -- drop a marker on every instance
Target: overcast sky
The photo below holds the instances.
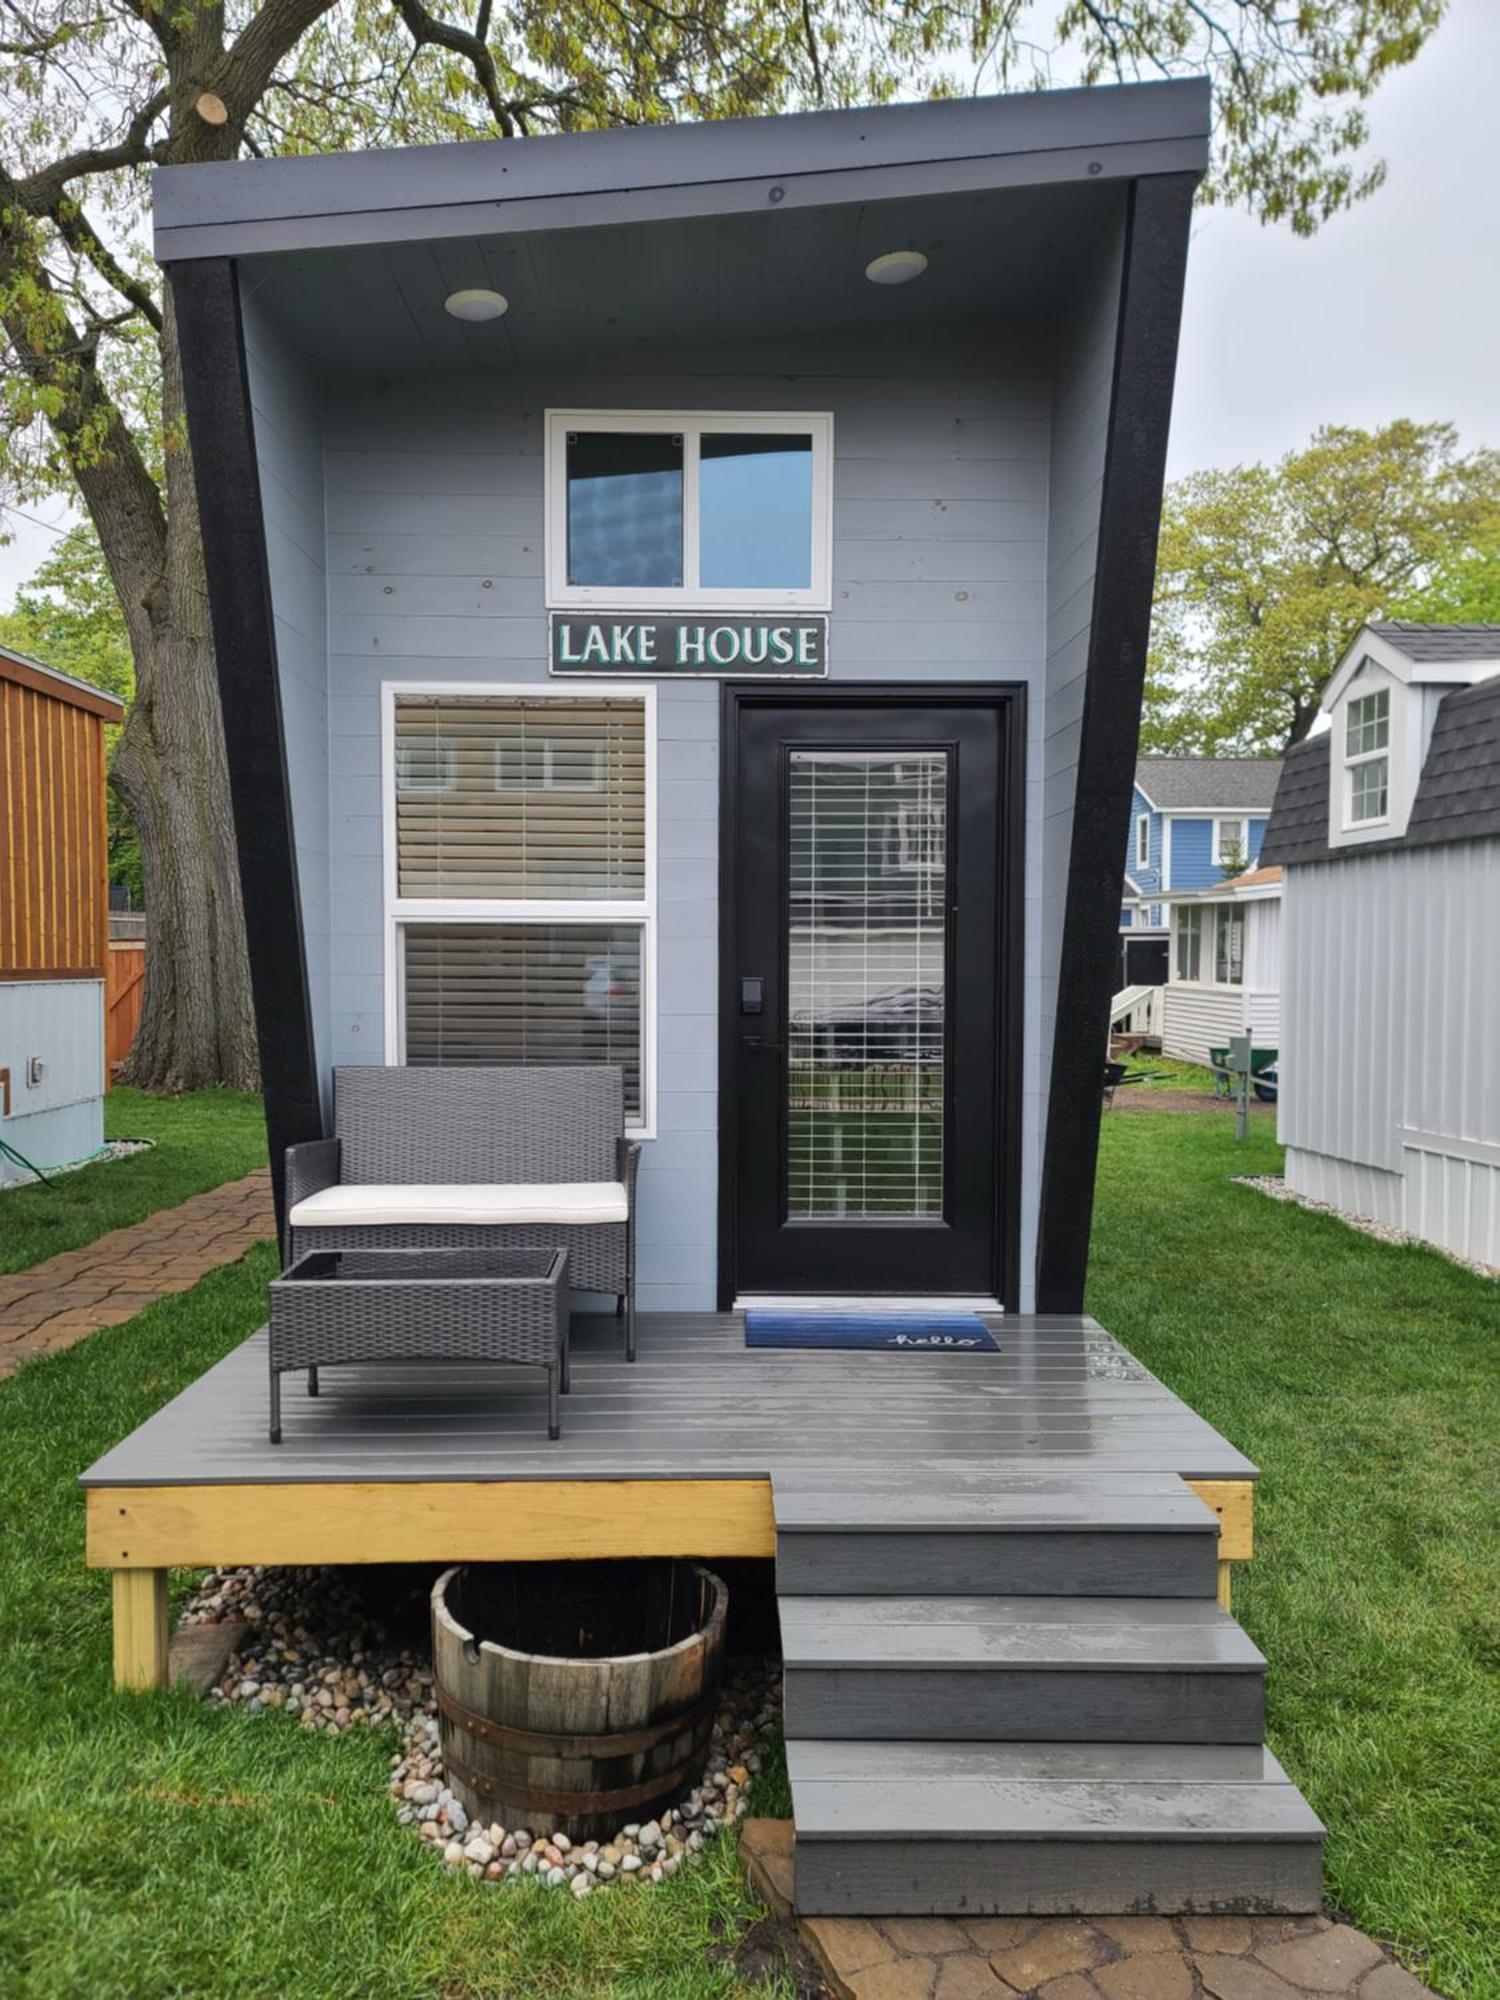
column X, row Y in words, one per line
column 1392, row 310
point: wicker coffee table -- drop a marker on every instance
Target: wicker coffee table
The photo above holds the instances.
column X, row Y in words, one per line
column 341, row 1306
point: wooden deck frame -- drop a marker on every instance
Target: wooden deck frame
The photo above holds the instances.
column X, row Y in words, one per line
column 140, row 1532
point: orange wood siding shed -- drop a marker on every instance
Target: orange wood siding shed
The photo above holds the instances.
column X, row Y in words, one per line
column 54, row 865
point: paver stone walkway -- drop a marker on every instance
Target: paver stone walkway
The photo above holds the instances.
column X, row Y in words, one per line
column 72, row 1295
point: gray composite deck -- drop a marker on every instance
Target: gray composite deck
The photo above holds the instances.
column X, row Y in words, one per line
column 1060, row 1395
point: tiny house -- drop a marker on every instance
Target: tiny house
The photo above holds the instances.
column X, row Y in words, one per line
column 1387, row 830
column 1224, row 976
column 1194, row 823
column 681, row 601
column 54, row 914
column 707, row 573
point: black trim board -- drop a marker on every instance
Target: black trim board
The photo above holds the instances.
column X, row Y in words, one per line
column 221, row 436
column 1009, row 698
column 1150, row 317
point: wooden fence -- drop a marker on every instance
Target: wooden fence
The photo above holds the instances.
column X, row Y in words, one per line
column 124, row 990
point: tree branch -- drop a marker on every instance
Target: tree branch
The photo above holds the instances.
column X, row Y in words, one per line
column 427, row 31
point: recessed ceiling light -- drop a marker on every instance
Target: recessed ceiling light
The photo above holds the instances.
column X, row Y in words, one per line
column 477, row 305
column 896, row 267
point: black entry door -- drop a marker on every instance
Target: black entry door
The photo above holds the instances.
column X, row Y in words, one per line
column 866, row 954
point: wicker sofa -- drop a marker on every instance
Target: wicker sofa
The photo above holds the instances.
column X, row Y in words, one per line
column 453, row 1158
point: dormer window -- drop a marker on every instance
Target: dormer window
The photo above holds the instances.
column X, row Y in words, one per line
column 1367, row 761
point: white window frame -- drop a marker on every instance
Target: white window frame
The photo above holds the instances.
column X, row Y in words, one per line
column 1143, row 840
column 1187, row 921
column 398, row 911
column 1358, row 760
column 688, row 595
column 1217, row 847
column 1226, row 916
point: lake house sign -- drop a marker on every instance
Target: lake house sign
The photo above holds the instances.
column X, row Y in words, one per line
column 773, row 648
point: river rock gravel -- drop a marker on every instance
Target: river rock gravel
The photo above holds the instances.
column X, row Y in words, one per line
column 316, row 1651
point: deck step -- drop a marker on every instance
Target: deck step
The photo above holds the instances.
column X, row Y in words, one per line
column 979, row 1532
column 1010, row 1829
column 1019, row 1669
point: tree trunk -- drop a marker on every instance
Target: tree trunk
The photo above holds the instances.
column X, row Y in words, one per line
column 197, row 1027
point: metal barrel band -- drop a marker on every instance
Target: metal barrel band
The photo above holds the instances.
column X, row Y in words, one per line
column 544, row 1743
column 551, row 1800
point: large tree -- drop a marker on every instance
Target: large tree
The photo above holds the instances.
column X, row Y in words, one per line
column 1265, row 572
column 94, row 91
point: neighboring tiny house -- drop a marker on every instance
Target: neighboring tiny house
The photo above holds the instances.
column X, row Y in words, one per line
column 1224, row 976
column 54, row 913
column 1387, row 828
column 1194, row 821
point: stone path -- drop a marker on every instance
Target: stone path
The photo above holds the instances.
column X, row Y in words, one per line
column 111, row 1279
column 1077, row 1958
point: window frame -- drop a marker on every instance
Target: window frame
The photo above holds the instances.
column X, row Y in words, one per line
column 1216, row 846
column 398, row 911
column 1354, row 761
column 1187, row 928
column 1142, row 840
column 688, row 595
column 1228, row 918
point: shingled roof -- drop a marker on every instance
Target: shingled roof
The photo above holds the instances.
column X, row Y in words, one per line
column 1458, row 793
column 1178, row 783
column 1439, row 643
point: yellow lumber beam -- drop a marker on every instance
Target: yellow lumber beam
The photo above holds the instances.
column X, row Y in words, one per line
column 537, row 1520
column 140, row 1628
column 1233, row 1500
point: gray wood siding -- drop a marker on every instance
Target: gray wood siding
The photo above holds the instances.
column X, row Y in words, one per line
column 288, row 445
column 1390, row 1068
column 435, row 570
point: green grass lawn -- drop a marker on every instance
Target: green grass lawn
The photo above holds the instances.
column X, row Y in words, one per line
column 1364, row 1380
column 201, row 1140
column 153, row 1846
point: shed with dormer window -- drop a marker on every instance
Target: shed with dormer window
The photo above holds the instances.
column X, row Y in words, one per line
column 1387, row 826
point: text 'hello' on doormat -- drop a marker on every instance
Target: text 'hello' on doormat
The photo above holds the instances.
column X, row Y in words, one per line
column 951, row 1332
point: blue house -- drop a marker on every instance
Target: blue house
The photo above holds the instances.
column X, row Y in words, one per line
column 1194, row 821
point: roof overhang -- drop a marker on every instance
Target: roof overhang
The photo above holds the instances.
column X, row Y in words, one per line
column 1368, row 645
column 732, row 166
column 23, row 671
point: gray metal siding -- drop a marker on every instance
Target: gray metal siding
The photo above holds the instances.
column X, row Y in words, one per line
column 288, row 445
column 62, row 1117
column 1390, row 1070
column 435, row 492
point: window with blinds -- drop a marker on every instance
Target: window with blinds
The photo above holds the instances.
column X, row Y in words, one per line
column 529, row 811
column 867, row 983
column 525, row 993
column 520, row 799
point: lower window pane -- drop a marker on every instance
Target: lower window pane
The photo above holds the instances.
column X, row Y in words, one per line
column 1369, row 790
column 525, row 993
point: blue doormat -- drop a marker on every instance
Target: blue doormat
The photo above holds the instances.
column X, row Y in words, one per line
column 923, row 1332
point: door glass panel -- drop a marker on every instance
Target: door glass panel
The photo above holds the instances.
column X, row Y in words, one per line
column 755, row 511
column 625, row 509
column 867, row 984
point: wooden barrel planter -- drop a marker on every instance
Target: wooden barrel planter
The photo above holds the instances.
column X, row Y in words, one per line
column 576, row 1696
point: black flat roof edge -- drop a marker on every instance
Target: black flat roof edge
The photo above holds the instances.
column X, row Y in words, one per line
column 662, row 173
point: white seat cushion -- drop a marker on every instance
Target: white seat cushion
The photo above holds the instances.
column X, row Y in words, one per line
column 475, row 1202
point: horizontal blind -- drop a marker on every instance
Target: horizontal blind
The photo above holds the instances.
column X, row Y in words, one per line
column 525, row 993
column 867, row 983
column 520, row 797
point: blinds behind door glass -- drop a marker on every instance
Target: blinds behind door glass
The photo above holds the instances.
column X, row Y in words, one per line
column 867, row 983
column 525, row 993
column 513, row 797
